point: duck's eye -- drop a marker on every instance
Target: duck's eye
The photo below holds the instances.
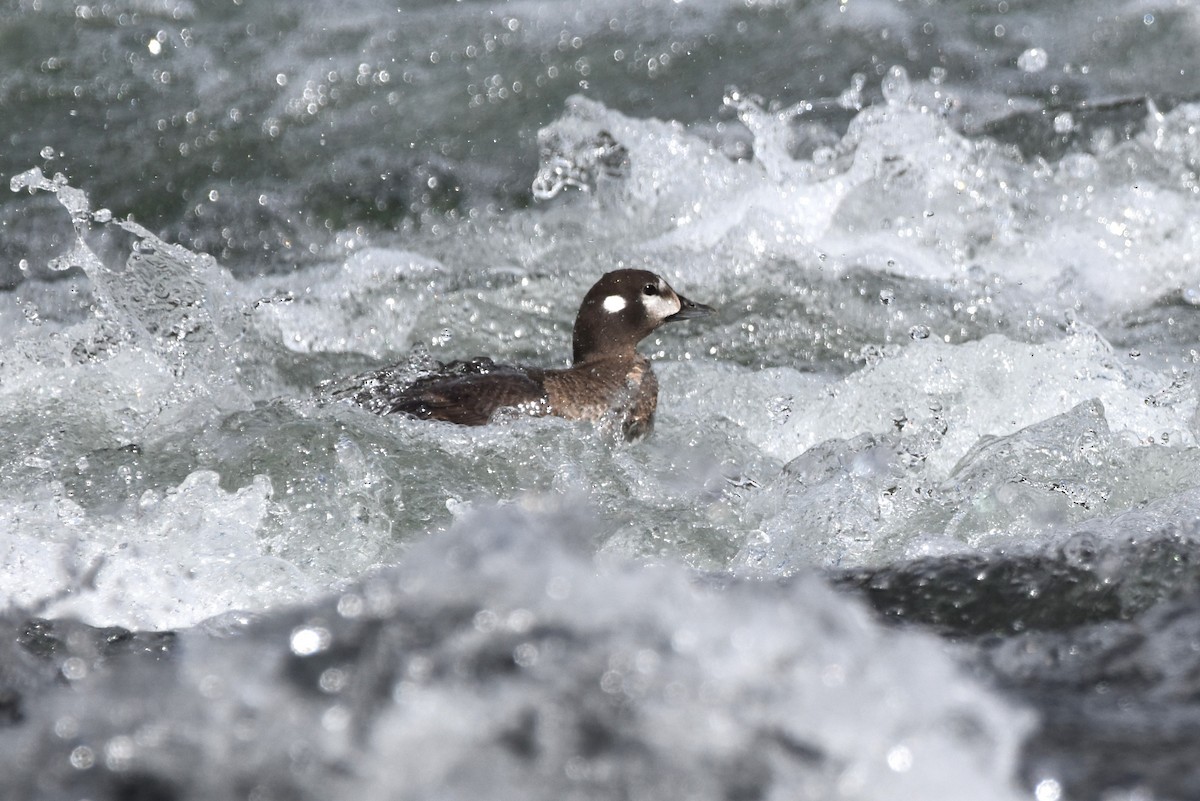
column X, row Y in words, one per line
column 650, row 289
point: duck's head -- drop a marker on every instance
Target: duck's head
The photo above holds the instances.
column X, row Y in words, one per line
column 623, row 308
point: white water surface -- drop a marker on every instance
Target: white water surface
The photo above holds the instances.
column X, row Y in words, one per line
column 172, row 391
column 943, row 334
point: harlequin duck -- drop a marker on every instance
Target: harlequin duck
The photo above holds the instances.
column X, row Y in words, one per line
column 608, row 378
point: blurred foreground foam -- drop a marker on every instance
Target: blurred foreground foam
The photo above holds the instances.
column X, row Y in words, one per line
column 498, row 660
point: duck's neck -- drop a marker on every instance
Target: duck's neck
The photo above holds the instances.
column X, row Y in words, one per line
column 586, row 352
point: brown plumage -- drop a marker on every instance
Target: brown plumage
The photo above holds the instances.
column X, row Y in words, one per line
column 608, row 378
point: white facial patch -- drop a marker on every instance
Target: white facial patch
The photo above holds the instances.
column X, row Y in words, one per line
column 613, row 304
column 662, row 306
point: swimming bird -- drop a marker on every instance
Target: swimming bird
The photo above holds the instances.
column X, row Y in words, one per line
column 607, row 380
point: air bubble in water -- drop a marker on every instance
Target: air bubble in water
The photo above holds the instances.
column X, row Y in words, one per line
column 47, row 153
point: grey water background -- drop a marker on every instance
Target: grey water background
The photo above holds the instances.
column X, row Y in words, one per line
column 255, row 129
column 857, row 559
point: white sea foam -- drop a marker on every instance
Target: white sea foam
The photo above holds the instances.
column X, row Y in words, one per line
column 171, row 560
column 857, row 290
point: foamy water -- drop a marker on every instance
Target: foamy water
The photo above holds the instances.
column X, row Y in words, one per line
column 951, row 373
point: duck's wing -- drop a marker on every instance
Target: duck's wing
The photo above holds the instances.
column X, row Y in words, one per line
column 470, row 393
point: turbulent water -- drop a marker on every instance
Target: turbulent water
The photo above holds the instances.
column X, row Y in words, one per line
column 920, row 517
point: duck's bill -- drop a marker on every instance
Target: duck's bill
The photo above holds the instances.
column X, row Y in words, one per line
column 689, row 310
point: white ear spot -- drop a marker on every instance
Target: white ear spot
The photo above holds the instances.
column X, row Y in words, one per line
column 613, row 304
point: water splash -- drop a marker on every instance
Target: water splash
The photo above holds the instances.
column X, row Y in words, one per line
column 165, row 296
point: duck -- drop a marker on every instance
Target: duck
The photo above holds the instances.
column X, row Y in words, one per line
column 608, row 381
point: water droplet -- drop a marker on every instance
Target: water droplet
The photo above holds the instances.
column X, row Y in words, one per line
column 1064, row 123
column 74, row 668
column 896, row 87
column 309, row 640
column 918, row 332
column 82, row 758
column 1034, row 59
column 1048, row 790
column 525, row 654
column 118, row 753
column 332, row 680
column 900, row 759
column 350, row 605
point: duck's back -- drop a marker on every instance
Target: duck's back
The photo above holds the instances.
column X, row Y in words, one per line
column 470, row 393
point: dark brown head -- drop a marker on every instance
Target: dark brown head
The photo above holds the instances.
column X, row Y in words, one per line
column 623, row 308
